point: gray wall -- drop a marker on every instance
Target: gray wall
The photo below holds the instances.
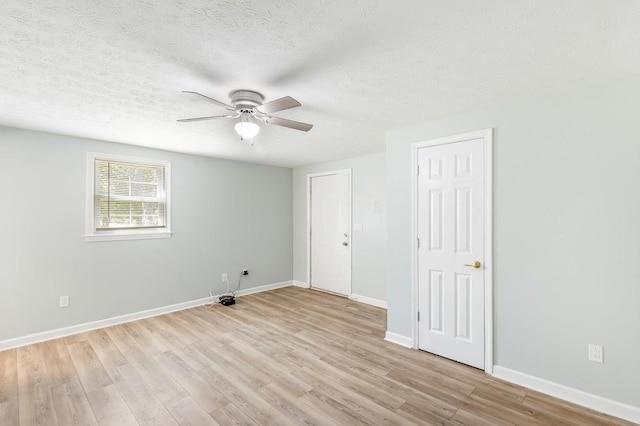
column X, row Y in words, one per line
column 225, row 216
column 566, row 233
column 368, row 247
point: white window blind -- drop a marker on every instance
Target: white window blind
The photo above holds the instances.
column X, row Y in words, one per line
column 129, row 195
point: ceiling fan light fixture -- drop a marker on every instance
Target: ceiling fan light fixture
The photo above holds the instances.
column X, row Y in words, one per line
column 246, row 128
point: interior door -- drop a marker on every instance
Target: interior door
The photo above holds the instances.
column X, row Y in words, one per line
column 330, row 236
column 451, row 251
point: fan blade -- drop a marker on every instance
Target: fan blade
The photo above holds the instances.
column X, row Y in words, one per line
column 211, row 117
column 279, row 105
column 229, row 107
column 287, row 123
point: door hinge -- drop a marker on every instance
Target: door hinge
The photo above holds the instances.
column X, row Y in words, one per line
column 418, row 170
column 418, row 316
column 418, row 242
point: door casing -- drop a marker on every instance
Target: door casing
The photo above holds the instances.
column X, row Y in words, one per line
column 487, row 135
column 350, row 240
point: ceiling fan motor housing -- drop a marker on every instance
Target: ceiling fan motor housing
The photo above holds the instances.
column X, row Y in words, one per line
column 246, row 99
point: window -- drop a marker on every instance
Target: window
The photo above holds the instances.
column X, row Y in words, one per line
column 127, row 198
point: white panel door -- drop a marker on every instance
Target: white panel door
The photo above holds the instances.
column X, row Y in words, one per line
column 451, row 251
column 330, row 233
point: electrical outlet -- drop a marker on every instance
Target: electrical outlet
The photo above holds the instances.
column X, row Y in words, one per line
column 64, row 301
column 596, row 353
column 225, row 277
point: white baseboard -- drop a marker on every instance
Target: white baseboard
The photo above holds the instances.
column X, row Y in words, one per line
column 594, row 402
column 93, row 325
column 369, row 301
column 398, row 339
column 300, row 284
column 266, row 287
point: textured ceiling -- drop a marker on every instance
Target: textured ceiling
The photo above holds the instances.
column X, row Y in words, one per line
column 114, row 70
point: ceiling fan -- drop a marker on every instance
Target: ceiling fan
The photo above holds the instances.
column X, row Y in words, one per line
column 247, row 106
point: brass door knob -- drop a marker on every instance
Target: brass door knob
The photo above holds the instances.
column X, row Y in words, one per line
column 475, row 264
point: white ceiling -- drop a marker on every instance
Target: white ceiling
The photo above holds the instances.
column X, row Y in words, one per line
column 114, row 70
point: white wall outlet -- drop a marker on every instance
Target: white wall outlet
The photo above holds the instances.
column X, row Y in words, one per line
column 64, row 301
column 596, row 353
column 225, row 277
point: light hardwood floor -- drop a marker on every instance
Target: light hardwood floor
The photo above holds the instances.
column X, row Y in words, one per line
column 288, row 356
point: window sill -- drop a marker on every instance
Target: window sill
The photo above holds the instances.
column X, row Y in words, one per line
column 123, row 236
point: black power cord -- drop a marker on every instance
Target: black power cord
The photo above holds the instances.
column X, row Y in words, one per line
column 230, row 299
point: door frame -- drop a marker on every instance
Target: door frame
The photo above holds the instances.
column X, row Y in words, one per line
column 349, row 203
column 487, row 135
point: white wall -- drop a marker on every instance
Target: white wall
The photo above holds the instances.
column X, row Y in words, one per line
column 226, row 216
column 566, row 233
column 368, row 247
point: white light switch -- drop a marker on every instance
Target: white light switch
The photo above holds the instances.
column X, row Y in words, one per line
column 357, row 227
column 64, row 301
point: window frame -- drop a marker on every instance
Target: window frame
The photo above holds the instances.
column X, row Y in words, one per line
column 92, row 234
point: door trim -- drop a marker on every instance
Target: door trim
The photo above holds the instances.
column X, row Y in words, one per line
column 487, row 135
column 350, row 203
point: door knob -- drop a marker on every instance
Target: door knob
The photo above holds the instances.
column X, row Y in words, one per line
column 344, row 243
column 475, row 264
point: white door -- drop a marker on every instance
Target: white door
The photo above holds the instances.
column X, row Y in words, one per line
column 450, row 221
column 330, row 236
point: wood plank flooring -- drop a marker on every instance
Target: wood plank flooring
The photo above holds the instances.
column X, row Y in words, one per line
column 288, row 356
